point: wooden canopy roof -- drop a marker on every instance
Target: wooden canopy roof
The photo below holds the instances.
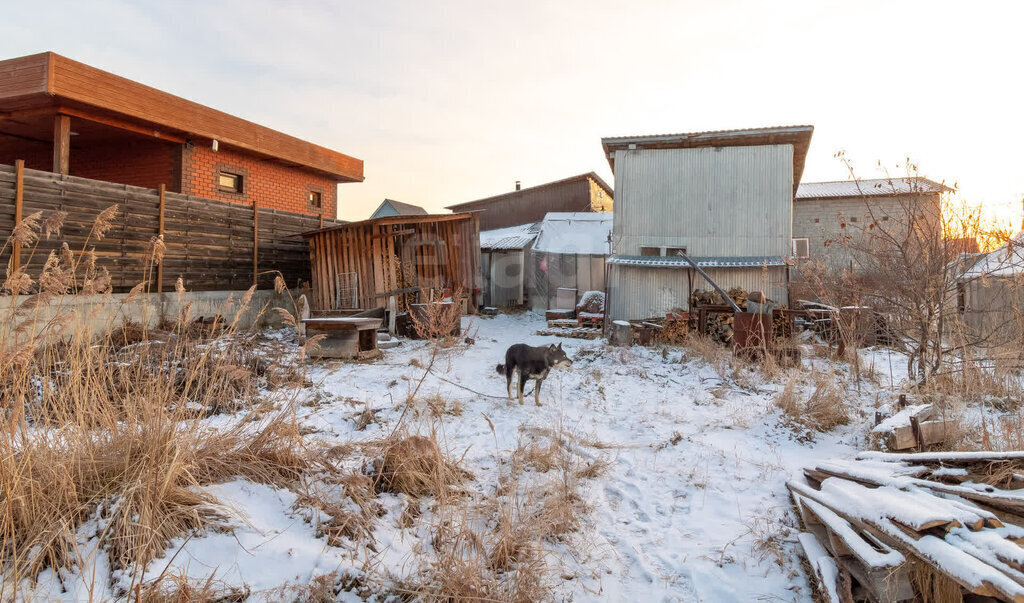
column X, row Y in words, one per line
column 39, row 85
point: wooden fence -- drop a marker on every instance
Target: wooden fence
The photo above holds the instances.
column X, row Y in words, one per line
column 210, row 244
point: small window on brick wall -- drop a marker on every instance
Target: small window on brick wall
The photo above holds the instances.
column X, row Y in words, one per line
column 650, row 251
column 315, row 199
column 229, row 182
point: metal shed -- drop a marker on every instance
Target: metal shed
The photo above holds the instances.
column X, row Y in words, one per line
column 502, row 260
column 413, row 258
column 725, row 197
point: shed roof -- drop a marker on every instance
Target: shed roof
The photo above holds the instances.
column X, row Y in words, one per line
column 513, row 237
column 393, row 220
column 48, row 83
column 878, row 187
column 469, row 205
column 583, row 233
column 403, row 209
column 798, row 136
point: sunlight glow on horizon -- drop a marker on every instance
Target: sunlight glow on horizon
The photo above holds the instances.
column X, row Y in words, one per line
column 452, row 102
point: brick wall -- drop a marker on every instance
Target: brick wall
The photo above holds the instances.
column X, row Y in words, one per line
column 37, row 156
column 147, row 163
column 599, row 199
column 270, row 184
column 143, row 162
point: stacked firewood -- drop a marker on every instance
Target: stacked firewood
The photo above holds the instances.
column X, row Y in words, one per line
column 925, row 526
column 719, row 326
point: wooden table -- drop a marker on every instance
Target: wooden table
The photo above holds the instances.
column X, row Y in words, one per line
column 346, row 337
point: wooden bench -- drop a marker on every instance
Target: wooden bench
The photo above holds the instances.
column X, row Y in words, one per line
column 346, row 337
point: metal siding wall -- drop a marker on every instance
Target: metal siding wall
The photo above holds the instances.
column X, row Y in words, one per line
column 731, row 201
column 506, row 278
column 636, row 293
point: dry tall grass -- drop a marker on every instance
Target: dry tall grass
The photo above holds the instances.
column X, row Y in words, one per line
column 823, row 410
column 109, row 428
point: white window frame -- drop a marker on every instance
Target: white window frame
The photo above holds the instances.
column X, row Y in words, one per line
column 807, row 247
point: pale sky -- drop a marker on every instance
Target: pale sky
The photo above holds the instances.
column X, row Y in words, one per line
column 452, row 101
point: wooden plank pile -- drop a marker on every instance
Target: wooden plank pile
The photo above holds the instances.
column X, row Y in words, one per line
column 571, row 331
column 921, row 526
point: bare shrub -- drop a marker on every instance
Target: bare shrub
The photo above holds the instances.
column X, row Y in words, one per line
column 438, row 321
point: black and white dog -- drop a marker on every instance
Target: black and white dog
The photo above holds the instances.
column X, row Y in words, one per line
column 531, row 363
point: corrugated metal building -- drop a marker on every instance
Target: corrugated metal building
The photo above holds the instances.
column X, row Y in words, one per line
column 502, row 260
column 991, row 294
column 585, row 192
column 725, row 198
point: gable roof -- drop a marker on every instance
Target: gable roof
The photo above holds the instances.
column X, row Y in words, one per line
column 877, row 187
column 403, row 209
column 469, row 205
column 48, row 82
column 798, row 136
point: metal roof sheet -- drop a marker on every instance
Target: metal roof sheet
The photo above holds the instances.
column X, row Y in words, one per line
column 703, row 262
column 878, row 187
column 513, row 237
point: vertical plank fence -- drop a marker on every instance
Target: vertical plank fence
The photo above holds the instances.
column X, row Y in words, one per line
column 211, row 244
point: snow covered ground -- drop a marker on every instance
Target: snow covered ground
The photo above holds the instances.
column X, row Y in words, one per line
column 692, row 506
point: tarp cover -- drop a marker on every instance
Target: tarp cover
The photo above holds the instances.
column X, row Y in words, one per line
column 582, row 233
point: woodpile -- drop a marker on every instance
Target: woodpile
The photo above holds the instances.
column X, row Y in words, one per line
column 572, row 332
column 922, row 526
column 719, row 326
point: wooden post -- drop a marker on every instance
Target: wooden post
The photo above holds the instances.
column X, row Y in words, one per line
column 160, row 233
column 19, row 198
column 61, row 144
column 255, row 242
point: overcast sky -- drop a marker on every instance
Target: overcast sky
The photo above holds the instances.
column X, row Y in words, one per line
column 449, row 102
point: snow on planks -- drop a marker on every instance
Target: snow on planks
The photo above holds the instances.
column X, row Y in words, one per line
column 959, row 515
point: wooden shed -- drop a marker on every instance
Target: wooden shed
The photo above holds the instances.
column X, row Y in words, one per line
column 413, row 258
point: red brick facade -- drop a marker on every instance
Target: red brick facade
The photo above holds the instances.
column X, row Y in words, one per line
column 146, row 163
column 150, row 163
column 268, row 183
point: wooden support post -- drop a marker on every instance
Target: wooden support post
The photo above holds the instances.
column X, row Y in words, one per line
column 62, row 144
column 160, row 233
column 19, row 199
column 255, row 242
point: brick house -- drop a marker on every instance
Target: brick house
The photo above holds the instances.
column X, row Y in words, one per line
column 582, row 193
column 825, row 212
column 66, row 117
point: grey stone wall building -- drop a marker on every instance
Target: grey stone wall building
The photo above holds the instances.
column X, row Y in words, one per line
column 826, row 212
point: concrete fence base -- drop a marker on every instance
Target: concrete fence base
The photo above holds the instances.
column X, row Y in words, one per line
column 98, row 313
